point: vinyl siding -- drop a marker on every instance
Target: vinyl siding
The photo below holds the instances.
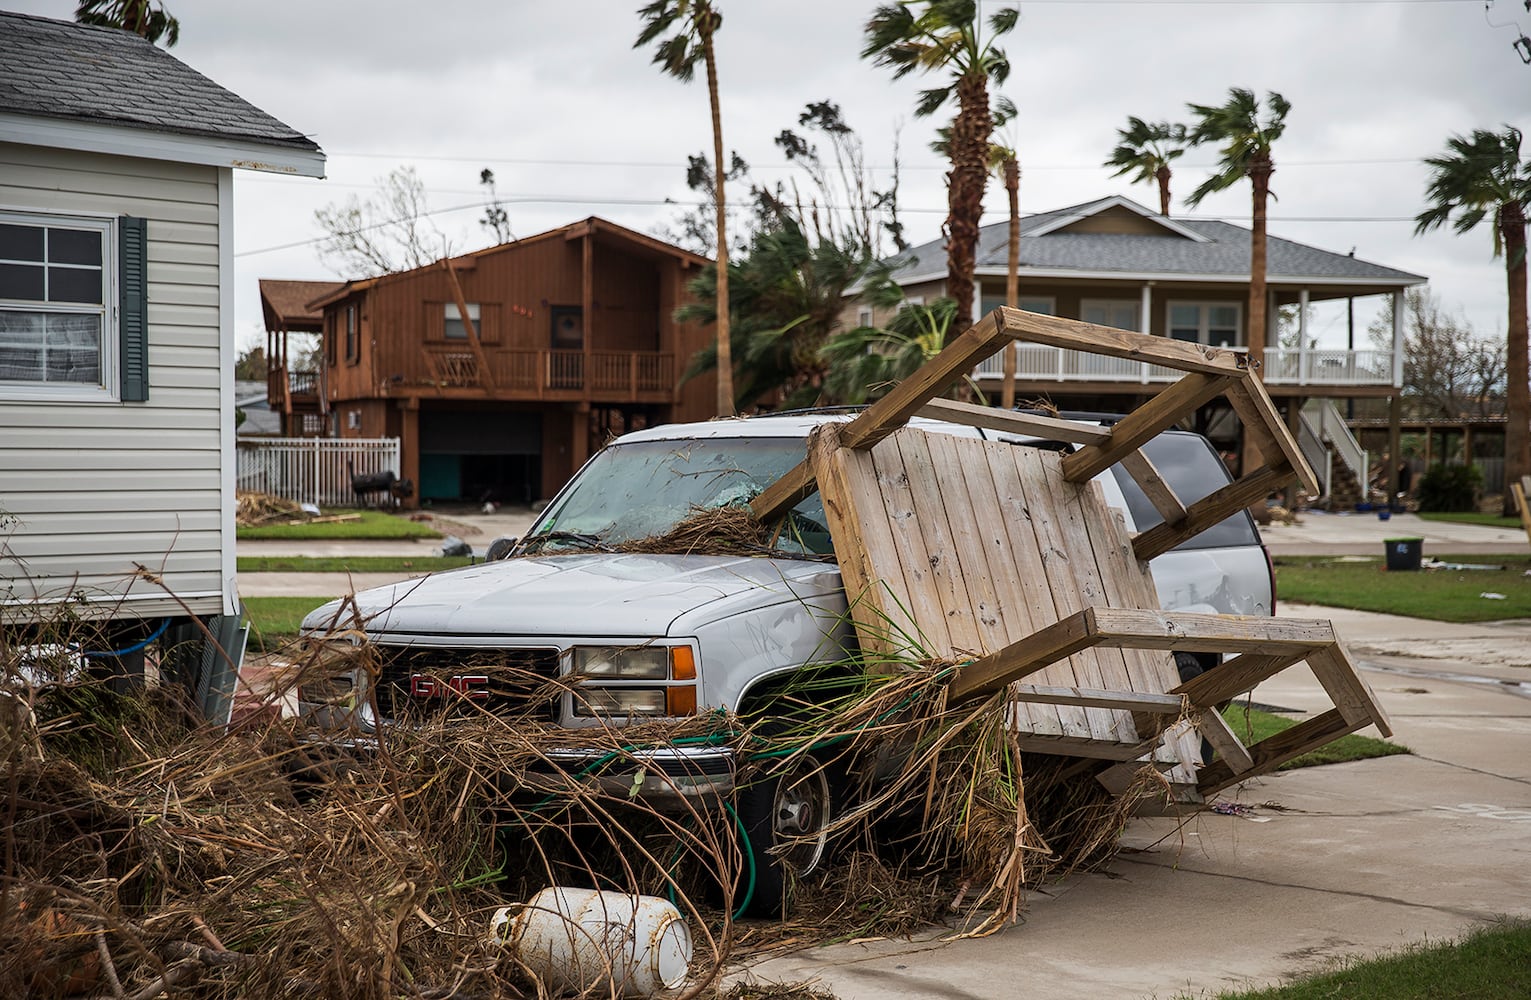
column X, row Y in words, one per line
column 95, row 490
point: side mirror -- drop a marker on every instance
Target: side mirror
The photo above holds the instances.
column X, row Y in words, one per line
column 500, row 548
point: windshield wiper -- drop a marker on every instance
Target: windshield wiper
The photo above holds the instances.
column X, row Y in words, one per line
column 584, row 541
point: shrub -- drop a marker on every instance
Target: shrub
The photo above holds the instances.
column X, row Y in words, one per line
column 1450, row 488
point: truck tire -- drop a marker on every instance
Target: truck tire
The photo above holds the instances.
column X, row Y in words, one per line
column 779, row 809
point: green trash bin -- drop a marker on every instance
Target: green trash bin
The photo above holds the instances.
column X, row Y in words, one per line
column 1403, row 553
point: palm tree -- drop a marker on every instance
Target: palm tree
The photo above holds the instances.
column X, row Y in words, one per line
column 1476, row 176
column 1003, row 161
column 946, row 35
column 694, row 23
column 142, row 17
column 1246, row 141
column 1146, row 151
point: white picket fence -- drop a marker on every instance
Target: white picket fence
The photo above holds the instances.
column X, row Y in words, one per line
column 313, row 470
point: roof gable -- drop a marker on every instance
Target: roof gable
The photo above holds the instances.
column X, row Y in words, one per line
column 1114, row 215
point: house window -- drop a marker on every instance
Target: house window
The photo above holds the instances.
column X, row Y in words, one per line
column 352, row 353
column 1033, row 304
column 57, row 330
column 864, row 316
column 568, row 328
column 1213, row 323
column 453, row 328
column 1121, row 314
column 353, row 420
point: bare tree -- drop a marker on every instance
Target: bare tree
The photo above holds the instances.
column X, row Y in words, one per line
column 495, row 219
column 388, row 231
column 1448, row 370
column 843, row 205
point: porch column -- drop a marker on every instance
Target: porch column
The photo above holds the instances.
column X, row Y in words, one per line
column 409, row 448
column 1395, row 445
column 1398, row 304
column 977, row 301
column 1145, row 308
column 1302, row 337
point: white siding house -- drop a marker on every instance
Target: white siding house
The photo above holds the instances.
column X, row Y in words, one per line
column 116, row 322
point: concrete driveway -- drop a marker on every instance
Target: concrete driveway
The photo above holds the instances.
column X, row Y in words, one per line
column 1332, row 861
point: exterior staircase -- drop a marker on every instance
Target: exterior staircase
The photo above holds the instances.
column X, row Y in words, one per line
column 1342, row 465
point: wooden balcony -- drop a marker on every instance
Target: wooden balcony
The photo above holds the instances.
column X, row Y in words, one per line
column 639, row 376
column 293, row 391
column 1326, row 368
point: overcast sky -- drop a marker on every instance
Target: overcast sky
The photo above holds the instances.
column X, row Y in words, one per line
column 574, row 122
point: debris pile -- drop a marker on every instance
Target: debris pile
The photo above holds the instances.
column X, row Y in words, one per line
column 254, row 509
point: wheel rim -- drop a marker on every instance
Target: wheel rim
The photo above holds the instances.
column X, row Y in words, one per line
column 799, row 818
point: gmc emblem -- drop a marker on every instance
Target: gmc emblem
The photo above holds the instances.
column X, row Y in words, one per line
column 474, row 687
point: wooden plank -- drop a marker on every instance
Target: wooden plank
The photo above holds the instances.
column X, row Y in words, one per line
column 1101, row 668
column 1058, row 574
column 1034, row 609
column 1127, row 701
column 1235, row 676
column 1030, row 424
column 1095, row 749
column 1253, row 405
column 1521, row 491
column 1075, row 335
column 931, row 379
column 945, row 550
column 485, row 375
column 1153, row 629
column 970, row 504
column 1212, row 725
column 910, row 563
column 1143, row 424
column 1348, row 689
column 1159, row 492
column 781, row 496
column 1209, row 510
column 989, row 674
column 883, row 625
column 1273, row 751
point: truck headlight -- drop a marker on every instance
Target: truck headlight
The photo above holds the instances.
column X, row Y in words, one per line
column 619, row 701
column 629, row 663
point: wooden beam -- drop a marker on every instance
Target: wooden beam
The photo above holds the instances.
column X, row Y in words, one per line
column 1201, row 633
column 1348, row 689
column 1074, row 747
column 1144, row 423
column 1212, row 725
column 1159, row 492
column 1523, row 502
column 1208, row 511
column 1127, row 701
column 1273, row 751
column 485, row 375
column 988, row 674
column 1031, row 424
column 782, row 495
column 1254, row 407
column 1075, row 335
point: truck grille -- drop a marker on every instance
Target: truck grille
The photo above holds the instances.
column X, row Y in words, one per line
column 418, row 682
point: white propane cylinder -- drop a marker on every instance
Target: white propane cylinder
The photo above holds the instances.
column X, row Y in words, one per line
column 578, row 939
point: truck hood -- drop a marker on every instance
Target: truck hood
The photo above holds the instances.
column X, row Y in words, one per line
column 594, row 594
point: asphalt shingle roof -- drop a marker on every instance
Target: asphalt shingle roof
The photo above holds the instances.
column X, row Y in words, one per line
column 1225, row 252
column 61, row 70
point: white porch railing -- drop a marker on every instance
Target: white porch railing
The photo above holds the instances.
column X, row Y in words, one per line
column 312, row 470
column 1324, row 434
column 1037, row 362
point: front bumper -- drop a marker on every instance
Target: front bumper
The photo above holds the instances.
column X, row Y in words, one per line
column 659, row 776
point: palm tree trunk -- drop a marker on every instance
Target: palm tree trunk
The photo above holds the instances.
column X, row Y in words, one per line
column 1012, row 273
column 1162, row 175
column 1260, row 171
column 725, row 343
column 1517, row 431
column 964, row 198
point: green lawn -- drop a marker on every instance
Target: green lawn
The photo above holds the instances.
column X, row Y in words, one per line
column 1465, row 517
column 1443, row 595
column 1252, row 725
column 275, row 620
column 349, row 564
column 372, row 524
column 1487, row 964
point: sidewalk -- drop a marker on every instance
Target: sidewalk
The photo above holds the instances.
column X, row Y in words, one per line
column 1317, row 533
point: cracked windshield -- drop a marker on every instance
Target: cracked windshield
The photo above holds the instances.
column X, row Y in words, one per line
column 646, row 488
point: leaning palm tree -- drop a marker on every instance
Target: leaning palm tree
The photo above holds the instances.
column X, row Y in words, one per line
column 1478, row 175
column 1146, row 150
column 1246, row 139
column 141, row 17
column 946, row 36
column 689, row 27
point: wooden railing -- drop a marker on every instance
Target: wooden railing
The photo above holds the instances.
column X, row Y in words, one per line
column 282, row 384
column 538, row 373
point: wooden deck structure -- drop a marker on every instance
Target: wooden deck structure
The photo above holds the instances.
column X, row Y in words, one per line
column 1009, row 560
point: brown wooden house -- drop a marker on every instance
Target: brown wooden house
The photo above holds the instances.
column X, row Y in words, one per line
column 293, row 382
column 500, row 371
